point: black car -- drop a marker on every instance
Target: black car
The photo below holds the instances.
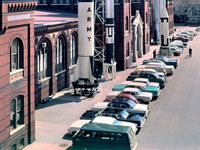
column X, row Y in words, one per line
column 90, row 114
column 153, row 77
column 123, row 115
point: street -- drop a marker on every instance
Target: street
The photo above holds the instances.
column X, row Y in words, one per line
column 173, row 123
column 174, row 119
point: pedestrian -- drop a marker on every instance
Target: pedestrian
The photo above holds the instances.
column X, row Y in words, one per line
column 154, row 53
column 190, row 52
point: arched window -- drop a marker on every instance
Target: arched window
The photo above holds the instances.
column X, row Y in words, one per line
column 60, row 54
column 43, row 60
column 126, row 23
column 16, row 55
column 74, row 51
column 17, row 112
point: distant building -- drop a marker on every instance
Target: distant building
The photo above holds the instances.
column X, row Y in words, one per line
column 143, row 7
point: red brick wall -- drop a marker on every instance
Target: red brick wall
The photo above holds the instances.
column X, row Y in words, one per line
column 23, row 29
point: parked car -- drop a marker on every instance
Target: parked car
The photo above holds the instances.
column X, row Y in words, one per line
column 123, row 115
column 90, row 114
column 143, row 97
column 183, row 39
column 168, row 61
column 119, row 94
column 198, row 29
column 128, row 97
column 175, row 51
column 145, row 80
column 112, row 121
column 138, row 70
column 76, row 125
column 169, row 68
column 157, row 68
column 179, row 45
column 129, row 105
column 143, row 87
column 107, row 137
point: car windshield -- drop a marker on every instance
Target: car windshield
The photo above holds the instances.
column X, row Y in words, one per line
column 131, row 103
column 124, row 114
column 138, row 92
column 156, row 74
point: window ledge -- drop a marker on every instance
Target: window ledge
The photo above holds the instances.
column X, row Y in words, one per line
column 72, row 66
column 17, row 129
column 16, row 75
column 16, row 71
column 60, row 72
column 45, row 79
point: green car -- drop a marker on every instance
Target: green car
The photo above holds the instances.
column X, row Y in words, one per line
column 152, row 89
column 119, row 87
column 142, row 86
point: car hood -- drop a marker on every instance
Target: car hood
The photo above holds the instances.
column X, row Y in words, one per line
column 151, row 88
column 146, row 95
column 129, row 124
column 141, row 108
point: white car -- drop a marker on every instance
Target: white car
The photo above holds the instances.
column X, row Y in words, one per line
column 130, row 106
column 144, row 96
column 175, row 51
column 115, row 122
column 169, row 69
column 76, row 125
column 145, row 80
column 161, row 74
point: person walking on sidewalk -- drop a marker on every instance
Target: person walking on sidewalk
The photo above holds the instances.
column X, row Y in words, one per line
column 190, row 52
column 154, row 53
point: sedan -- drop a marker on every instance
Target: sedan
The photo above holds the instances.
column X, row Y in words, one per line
column 143, row 97
column 168, row 61
column 123, row 115
column 129, row 105
column 112, row 121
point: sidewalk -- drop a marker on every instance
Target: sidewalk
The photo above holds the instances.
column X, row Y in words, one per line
column 54, row 118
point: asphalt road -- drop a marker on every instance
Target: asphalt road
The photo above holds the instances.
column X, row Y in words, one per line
column 174, row 122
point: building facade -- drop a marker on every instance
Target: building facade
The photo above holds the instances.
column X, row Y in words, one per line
column 170, row 10
column 143, row 7
column 123, row 37
column 56, row 52
column 17, row 59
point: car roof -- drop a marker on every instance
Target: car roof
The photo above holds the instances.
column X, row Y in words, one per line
column 104, row 119
column 130, row 90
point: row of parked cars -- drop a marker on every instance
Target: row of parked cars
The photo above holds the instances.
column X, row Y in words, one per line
column 114, row 123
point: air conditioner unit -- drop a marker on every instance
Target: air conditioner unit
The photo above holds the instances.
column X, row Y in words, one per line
column 44, row 45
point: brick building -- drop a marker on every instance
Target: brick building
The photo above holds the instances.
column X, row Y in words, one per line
column 17, row 59
column 170, row 10
column 143, row 7
column 123, row 37
column 56, row 52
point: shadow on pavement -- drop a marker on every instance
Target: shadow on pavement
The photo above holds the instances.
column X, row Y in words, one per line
column 60, row 100
column 187, row 57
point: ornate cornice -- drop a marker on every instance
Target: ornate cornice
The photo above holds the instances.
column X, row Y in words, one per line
column 42, row 30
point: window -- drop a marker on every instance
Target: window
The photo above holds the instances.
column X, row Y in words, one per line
column 16, row 112
column 21, row 143
column 43, row 61
column 126, row 23
column 127, row 50
column 60, row 54
column 74, row 51
column 14, row 147
column 16, row 55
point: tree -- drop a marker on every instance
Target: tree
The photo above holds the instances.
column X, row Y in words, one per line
column 185, row 6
